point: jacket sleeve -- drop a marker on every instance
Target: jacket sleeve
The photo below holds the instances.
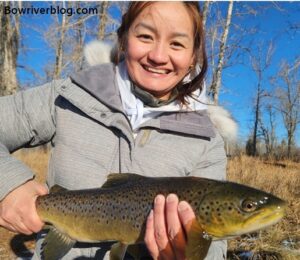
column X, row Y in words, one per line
column 212, row 162
column 27, row 119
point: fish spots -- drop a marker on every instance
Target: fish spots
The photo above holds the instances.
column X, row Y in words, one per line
column 195, row 204
column 137, row 225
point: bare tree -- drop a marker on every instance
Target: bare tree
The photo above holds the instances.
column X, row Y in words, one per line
column 268, row 131
column 9, row 47
column 288, row 96
column 260, row 61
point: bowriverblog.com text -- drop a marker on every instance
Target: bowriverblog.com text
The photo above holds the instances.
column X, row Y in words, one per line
column 49, row 10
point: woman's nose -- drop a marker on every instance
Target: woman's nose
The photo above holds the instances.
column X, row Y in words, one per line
column 159, row 53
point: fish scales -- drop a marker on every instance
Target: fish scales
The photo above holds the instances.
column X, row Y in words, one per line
column 116, row 213
column 118, row 210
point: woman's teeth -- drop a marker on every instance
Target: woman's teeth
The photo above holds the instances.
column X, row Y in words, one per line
column 159, row 71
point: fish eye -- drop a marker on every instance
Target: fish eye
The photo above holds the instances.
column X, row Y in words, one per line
column 248, row 205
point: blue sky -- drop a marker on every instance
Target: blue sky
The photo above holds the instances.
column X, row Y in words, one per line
column 238, row 81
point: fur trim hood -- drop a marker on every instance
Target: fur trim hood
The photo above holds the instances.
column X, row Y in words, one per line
column 98, row 52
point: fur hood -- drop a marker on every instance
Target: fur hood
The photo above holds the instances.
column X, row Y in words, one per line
column 97, row 52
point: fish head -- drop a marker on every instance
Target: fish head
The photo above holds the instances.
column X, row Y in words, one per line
column 231, row 210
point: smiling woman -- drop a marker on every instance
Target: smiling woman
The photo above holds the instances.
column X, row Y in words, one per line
column 145, row 113
column 159, row 51
column 163, row 43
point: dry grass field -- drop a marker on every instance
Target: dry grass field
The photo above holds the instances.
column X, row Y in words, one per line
column 280, row 178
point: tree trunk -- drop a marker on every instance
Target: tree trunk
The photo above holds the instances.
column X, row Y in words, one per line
column 205, row 13
column 103, row 20
column 216, row 83
column 59, row 47
column 257, row 117
column 9, row 46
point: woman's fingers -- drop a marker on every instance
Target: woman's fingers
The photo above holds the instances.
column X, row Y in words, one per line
column 174, row 228
column 7, row 225
column 186, row 215
column 18, row 211
column 160, row 228
column 166, row 228
column 150, row 238
column 156, row 237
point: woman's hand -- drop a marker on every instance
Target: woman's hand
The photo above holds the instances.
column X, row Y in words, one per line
column 167, row 226
column 18, row 211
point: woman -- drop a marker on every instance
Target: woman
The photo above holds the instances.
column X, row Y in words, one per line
column 141, row 115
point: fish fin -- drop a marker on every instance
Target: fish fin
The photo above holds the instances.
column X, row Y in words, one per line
column 56, row 244
column 118, row 251
column 116, row 179
column 57, row 188
column 138, row 251
column 197, row 245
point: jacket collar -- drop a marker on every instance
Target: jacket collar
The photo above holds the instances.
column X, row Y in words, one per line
column 99, row 81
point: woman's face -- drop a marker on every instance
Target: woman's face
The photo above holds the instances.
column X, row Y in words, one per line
column 159, row 49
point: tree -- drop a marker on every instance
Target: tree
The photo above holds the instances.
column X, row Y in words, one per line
column 9, row 47
column 268, row 132
column 260, row 61
column 288, row 96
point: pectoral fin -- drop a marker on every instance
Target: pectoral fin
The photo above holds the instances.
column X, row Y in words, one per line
column 197, row 246
column 56, row 245
column 138, row 252
column 117, row 251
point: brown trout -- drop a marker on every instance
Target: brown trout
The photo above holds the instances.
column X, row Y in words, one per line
column 118, row 211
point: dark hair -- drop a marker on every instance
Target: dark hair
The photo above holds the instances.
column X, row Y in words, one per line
column 135, row 8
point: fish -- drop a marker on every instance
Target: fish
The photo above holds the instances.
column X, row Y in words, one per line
column 118, row 211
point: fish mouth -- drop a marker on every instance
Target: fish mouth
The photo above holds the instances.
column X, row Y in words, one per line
column 259, row 220
column 264, row 218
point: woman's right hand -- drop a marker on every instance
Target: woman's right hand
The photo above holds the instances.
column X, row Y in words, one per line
column 18, row 211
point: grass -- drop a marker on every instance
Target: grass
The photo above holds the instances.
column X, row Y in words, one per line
column 280, row 178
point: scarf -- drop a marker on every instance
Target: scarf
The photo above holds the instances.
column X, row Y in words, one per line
column 135, row 101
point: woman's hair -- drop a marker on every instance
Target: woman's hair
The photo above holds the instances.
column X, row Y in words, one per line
column 135, row 8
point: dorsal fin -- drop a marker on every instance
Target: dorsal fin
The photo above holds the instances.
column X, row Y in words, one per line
column 56, row 188
column 116, row 179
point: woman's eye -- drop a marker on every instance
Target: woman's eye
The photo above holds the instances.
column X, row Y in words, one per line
column 177, row 45
column 144, row 37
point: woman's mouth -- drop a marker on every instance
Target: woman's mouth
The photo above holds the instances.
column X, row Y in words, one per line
column 155, row 70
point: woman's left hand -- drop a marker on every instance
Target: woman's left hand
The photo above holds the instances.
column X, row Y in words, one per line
column 167, row 226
